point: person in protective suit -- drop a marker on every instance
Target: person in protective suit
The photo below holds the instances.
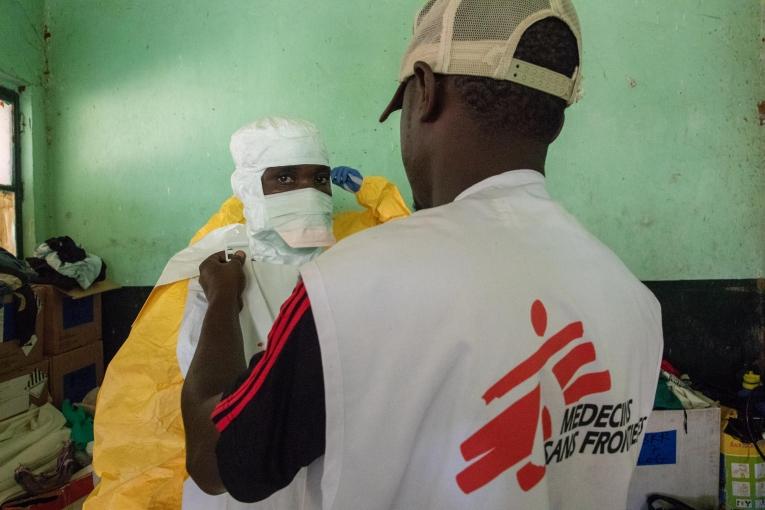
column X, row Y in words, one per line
column 281, row 217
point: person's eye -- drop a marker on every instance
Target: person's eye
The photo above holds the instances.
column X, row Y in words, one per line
column 322, row 179
column 285, row 179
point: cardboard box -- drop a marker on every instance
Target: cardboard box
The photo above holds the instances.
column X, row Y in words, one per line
column 13, row 355
column 72, row 318
column 22, row 388
column 742, row 471
column 74, row 373
column 680, row 458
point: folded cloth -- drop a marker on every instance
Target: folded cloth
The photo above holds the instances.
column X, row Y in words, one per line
column 46, row 275
column 60, row 262
column 33, row 439
column 67, row 249
column 85, row 271
column 14, row 272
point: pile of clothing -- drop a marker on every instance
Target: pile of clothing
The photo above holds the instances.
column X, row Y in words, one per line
column 61, row 262
column 15, row 277
column 32, row 441
column 42, row 449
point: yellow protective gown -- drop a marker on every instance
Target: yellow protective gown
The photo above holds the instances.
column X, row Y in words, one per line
column 139, row 449
column 382, row 202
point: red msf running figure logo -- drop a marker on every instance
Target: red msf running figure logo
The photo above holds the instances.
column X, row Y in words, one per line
column 508, row 439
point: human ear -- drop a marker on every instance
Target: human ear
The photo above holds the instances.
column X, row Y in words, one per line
column 560, row 127
column 428, row 98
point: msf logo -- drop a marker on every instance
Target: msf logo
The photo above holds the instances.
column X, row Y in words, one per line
column 508, row 439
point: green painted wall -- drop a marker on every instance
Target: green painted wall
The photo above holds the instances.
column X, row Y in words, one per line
column 22, row 64
column 663, row 160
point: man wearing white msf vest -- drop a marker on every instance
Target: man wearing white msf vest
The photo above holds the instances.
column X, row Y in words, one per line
column 485, row 353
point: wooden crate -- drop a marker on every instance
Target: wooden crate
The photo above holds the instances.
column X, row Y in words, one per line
column 74, row 373
column 21, row 388
column 71, row 319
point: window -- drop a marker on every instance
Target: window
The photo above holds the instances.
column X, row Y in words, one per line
column 10, row 172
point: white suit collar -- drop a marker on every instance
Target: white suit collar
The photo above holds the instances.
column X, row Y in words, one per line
column 510, row 179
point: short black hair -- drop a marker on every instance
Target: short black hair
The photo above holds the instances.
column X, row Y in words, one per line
column 500, row 105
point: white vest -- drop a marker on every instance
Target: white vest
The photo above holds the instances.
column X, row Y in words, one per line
column 268, row 286
column 487, row 354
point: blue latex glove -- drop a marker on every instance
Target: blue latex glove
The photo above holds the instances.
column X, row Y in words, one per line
column 347, row 178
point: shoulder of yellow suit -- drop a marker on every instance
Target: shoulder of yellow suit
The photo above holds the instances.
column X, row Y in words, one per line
column 231, row 211
column 382, row 198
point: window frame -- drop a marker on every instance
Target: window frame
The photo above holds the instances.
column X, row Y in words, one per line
column 16, row 187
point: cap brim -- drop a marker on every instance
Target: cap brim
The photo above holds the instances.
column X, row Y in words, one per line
column 396, row 103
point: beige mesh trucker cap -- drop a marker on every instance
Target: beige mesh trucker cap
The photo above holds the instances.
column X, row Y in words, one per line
column 479, row 38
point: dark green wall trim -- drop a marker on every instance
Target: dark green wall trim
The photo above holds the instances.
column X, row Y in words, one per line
column 713, row 328
column 120, row 308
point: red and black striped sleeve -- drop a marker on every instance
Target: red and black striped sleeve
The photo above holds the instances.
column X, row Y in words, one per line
column 273, row 422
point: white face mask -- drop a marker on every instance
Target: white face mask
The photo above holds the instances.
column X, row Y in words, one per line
column 302, row 218
column 269, row 247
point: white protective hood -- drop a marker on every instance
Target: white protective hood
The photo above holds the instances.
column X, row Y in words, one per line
column 266, row 143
